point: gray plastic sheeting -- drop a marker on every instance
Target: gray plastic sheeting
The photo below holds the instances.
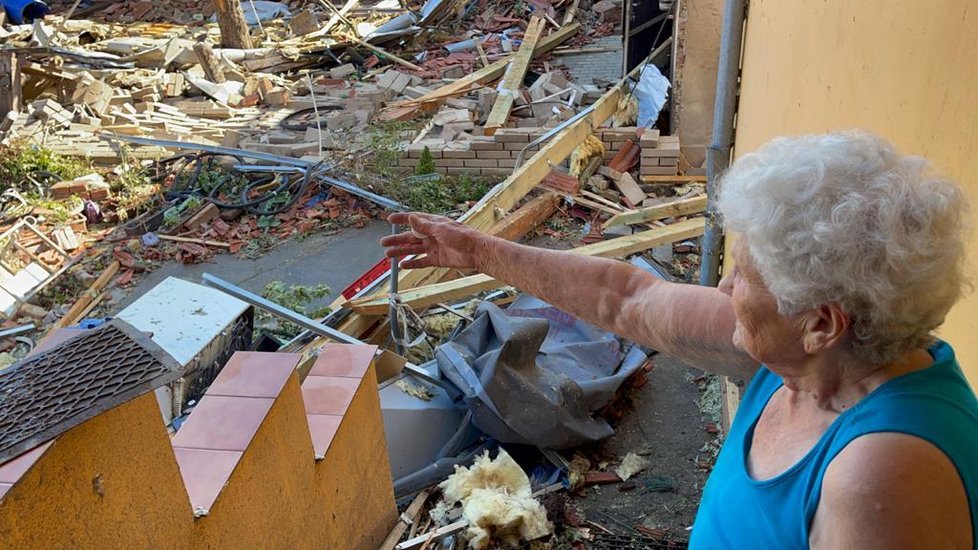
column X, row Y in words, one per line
column 534, row 374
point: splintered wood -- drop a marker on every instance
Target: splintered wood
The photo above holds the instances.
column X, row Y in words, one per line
column 513, row 78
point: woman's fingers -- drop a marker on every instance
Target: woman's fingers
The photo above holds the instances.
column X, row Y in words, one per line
column 422, row 225
column 406, row 250
column 399, row 218
column 399, row 239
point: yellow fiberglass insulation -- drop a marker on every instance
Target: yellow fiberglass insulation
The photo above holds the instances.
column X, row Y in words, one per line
column 496, row 500
column 592, row 147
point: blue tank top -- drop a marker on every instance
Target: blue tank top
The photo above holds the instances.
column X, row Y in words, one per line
column 935, row 404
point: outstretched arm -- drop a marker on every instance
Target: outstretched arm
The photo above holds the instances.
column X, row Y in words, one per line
column 691, row 322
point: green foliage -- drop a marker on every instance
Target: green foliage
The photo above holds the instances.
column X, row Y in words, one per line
column 426, row 164
column 20, row 159
column 60, row 211
column 175, row 214
column 296, row 298
column 436, row 194
column 385, row 146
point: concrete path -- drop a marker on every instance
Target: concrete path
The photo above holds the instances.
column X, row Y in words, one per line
column 335, row 260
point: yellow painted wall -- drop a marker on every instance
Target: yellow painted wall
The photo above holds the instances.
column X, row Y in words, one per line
column 114, row 482
column 111, row 482
column 901, row 68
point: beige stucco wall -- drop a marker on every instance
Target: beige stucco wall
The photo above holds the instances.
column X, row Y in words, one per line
column 696, row 78
column 903, row 69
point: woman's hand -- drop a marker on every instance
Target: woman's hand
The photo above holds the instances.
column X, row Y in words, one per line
column 444, row 243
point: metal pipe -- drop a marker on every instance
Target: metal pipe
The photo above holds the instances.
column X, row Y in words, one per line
column 304, row 165
column 718, row 153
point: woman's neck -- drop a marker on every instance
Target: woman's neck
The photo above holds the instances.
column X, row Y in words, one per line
column 837, row 381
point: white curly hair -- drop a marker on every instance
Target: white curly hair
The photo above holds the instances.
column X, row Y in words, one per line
column 844, row 218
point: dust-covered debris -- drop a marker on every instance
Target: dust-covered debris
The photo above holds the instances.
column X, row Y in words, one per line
column 416, row 390
column 631, row 465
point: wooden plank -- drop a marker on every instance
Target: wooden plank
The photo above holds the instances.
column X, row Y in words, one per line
column 682, row 207
column 209, row 62
column 674, row 179
column 467, row 286
column 234, row 28
column 350, row 4
column 516, row 225
column 173, row 238
column 730, row 400
column 423, row 541
column 571, row 12
column 384, row 54
column 410, row 516
column 10, row 84
column 76, row 310
column 432, row 100
column 513, row 79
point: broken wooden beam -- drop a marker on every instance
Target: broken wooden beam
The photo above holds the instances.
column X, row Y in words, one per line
column 432, row 100
column 426, row 539
column 526, row 218
column 234, row 28
column 672, row 209
column 513, row 79
column 209, row 62
column 10, row 84
column 81, row 305
column 408, row 518
column 674, row 179
column 429, row 295
column 384, row 54
column 175, row 239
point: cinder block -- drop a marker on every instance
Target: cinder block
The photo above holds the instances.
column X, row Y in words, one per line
column 486, row 145
column 494, row 155
column 660, row 152
column 512, row 135
column 508, row 163
column 668, row 161
column 659, row 171
column 449, row 163
column 481, row 163
column 452, row 154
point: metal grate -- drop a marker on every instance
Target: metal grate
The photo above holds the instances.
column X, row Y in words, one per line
column 239, row 339
column 51, row 392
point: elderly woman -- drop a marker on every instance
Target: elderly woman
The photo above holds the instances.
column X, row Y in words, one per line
column 858, row 428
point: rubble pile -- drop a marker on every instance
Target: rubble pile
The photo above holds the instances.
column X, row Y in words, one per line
column 181, row 147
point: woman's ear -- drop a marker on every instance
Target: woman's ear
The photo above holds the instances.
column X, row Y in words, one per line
column 825, row 327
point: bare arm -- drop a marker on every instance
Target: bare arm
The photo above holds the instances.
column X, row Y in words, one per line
column 691, row 322
column 892, row 490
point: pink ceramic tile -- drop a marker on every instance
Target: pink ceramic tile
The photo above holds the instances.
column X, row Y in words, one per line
column 343, row 360
column 328, row 394
column 223, row 423
column 322, row 428
column 205, row 473
column 4, row 487
column 11, row 470
column 251, row 374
